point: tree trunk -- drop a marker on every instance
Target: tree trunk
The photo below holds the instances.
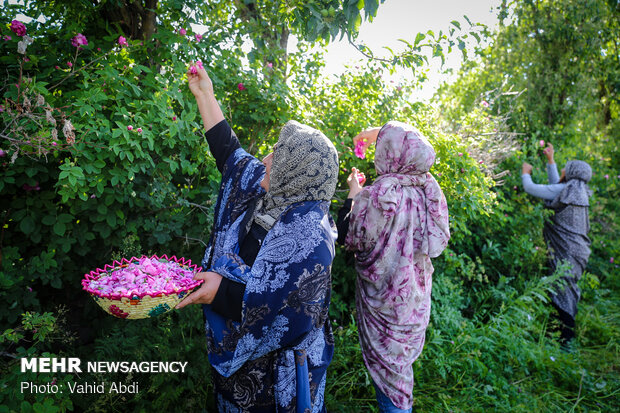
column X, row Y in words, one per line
column 137, row 19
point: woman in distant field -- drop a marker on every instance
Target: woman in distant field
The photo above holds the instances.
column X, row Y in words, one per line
column 394, row 227
column 566, row 234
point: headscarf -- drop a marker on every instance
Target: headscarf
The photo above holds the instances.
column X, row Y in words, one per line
column 576, row 191
column 304, row 168
column 397, row 224
column 403, row 158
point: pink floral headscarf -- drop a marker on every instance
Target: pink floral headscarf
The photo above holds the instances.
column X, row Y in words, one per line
column 397, row 224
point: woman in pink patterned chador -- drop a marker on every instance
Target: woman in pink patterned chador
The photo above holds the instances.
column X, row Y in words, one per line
column 395, row 226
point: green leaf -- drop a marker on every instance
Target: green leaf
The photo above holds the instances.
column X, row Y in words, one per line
column 27, row 225
column 419, row 38
column 49, row 220
column 456, row 23
column 60, row 229
column 56, row 283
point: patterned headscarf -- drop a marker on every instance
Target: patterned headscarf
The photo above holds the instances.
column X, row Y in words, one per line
column 304, row 168
column 576, row 192
column 403, row 158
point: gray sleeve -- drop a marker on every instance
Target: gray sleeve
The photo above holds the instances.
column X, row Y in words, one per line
column 541, row 191
column 552, row 173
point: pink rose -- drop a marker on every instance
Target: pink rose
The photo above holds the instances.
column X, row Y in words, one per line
column 18, row 28
column 485, row 103
column 182, row 32
column 69, row 64
column 54, row 144
column 79, row 40
column 139, row 130
column 199, row 64
column 174, row 118
column 198, row 37
column 57, row 67
column 193, row 70
column 611, row 260
column 240, row 86
column 129, row 127
column 360, row 150
column 460, row 154
column 270, row 65
column 606, row 176
column 99, row 49
column 122, row 41
column 541, row 143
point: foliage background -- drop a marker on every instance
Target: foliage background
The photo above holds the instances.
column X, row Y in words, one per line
column 75, row 199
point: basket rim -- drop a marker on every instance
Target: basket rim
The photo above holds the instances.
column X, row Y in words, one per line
column 94, row 274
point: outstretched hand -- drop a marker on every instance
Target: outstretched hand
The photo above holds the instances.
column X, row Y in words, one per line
column 206, row 293
column 200, row 83
column 367, row 137
column 526, row 168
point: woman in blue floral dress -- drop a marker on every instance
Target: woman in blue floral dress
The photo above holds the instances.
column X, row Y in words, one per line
column 268, row 266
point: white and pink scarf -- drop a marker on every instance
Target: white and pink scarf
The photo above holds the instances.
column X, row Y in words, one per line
column 396, row 226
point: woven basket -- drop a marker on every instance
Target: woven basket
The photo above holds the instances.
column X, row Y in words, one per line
column 137, row 306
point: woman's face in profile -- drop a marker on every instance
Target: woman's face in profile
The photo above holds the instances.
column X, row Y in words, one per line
column 267, row 161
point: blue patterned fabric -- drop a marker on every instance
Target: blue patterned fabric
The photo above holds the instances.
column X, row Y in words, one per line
column 286, row 301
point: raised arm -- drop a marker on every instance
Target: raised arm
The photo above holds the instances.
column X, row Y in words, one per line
column 368, row 136
column 222, row 140
column 355, row 181
column 552, row 168
column 548, row 192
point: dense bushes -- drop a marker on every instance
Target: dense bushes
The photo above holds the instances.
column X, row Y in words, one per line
column 80, row 188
